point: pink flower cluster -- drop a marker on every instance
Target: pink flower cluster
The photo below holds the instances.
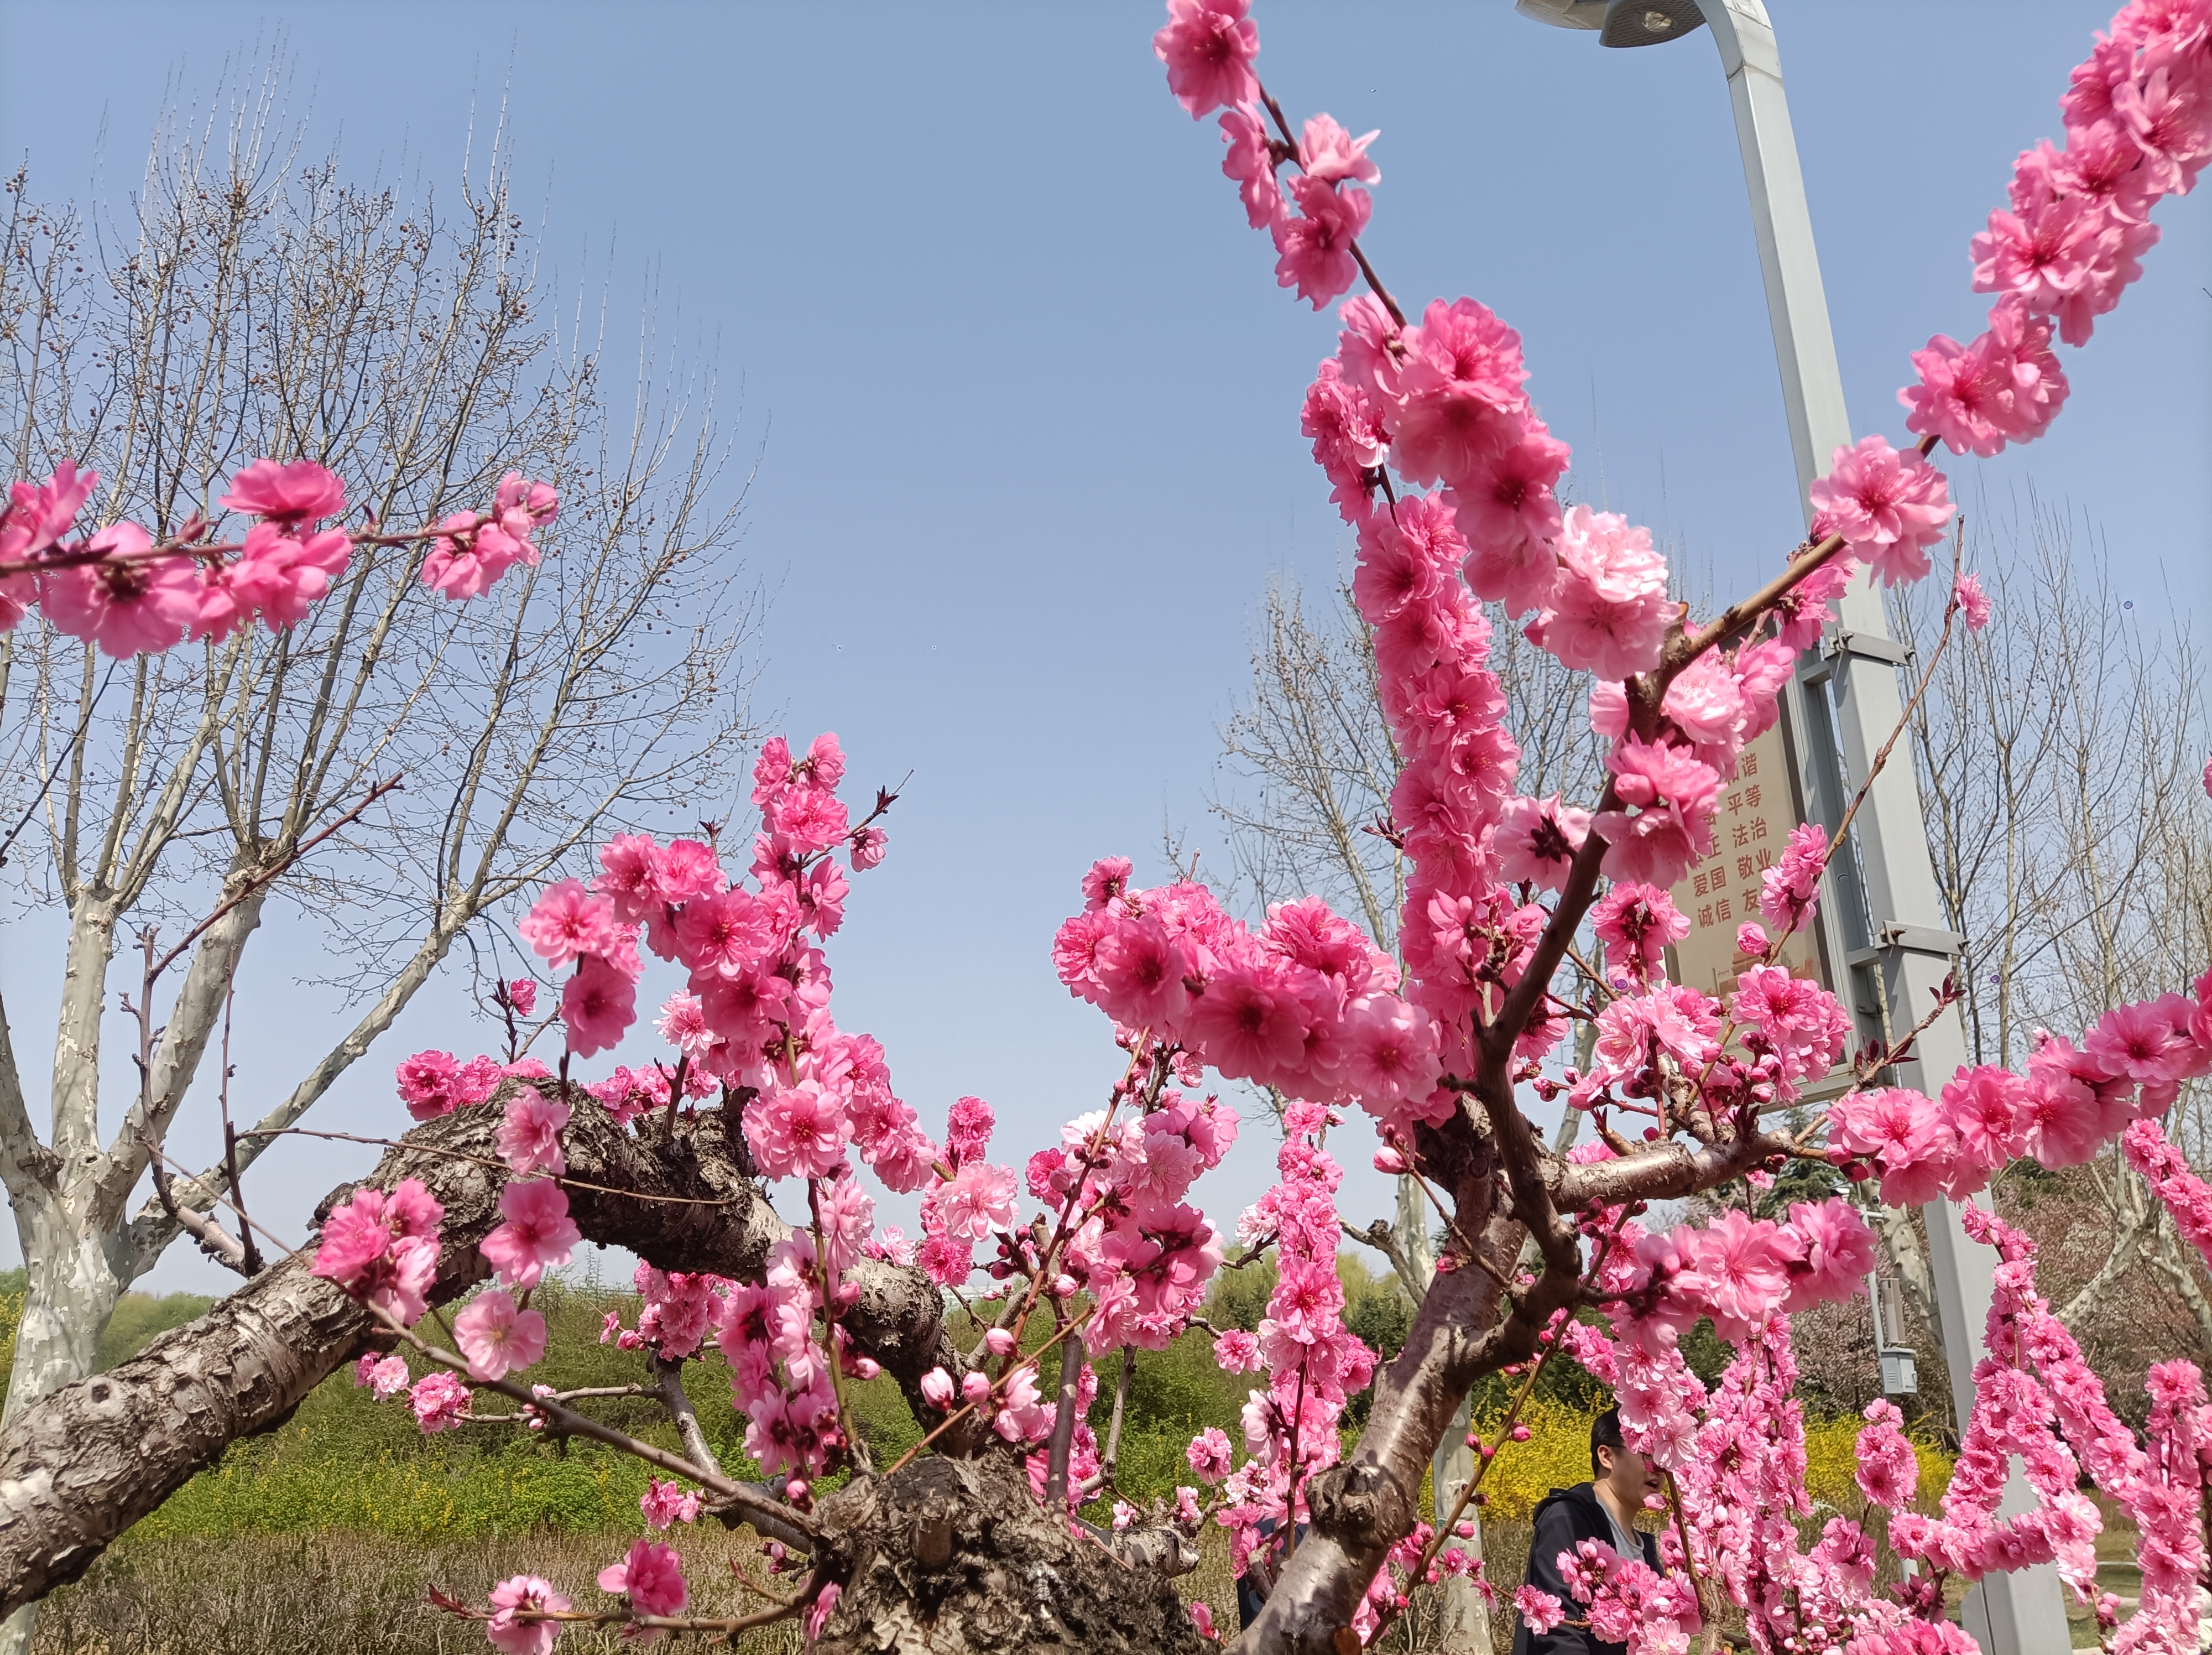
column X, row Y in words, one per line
column 434, row 1083
column 2035, row 1397
column 1305, row 1005
column 2187, row 1197
column 383, row 1248
column 1743, row 1271
column 116, row 587
column 1208, row 46
column 474, row 549
column 1314, row 1362
column 2138, row 128
column 2070, row 1103
column 779, row 1374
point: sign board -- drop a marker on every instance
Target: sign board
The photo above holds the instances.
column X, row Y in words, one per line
column 1758, row 808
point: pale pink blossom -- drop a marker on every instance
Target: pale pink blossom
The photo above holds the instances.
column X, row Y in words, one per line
column 979, row 1200
column 937, row 1389
column 1610, row 612
column 1537, row 839
column 441, row 1401
column 385, row 1376
column 683, row 1024
column 1236, row 1352
column 514, row 1601
column 497, row 1338
column 1329, row 153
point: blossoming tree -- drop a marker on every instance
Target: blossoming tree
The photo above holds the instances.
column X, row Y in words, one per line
column 1441, row 466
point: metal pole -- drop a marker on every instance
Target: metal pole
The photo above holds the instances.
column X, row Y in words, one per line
column 1884, row 930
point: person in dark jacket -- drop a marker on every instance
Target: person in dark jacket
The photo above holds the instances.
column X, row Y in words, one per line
column 1603, row 1509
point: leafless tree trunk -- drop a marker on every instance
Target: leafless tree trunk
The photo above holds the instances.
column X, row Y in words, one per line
column 253, row 304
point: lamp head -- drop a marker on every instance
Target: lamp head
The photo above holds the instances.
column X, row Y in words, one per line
column 1648, row 22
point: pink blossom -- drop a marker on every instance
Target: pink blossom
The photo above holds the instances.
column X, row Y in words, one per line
column 1537, row 839
column 567, row 922
column 664, row 1503
column 514, row 1600
column 1674, row 793
column 1737, row 1274
column 522, row 506
column 529, row 1137
column 384, row 1248
column 869, row 846
column 1251, row 161
column 1889, row 507
column 979, row 1200
column 1236, row 1352
column 724, row 934
column 386, row 1377
column 1790, row 889
column 795, row 1132
column 1460, row 393
column 1208, row 1454
column 522, row 995
column 539, row 1232
column 1973, row 604
column 39, row 515
column 598, row 1004
column 651, row 1577
column 1610, row 612
column 937, row 1389
column 1388, row 1052
column 1208, row 46
column 276, row 573
column 968, row 1130
column 683, row 1024
column 426, row 1084
column 2005, row 387
column 1201, row 1616
column 1332, row 155
column 301, row 492
column 1315, row 245
column 497, row 1338
column 1540, row 1611
column 1635, row 922
column 1906, row 1133
column 128, row 608
column 1889, row 1472
column 441, row 1400
column 1836, row 1253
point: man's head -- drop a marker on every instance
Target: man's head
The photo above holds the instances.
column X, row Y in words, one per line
column 1616, row 1466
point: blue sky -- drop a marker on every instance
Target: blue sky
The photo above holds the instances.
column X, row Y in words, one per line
column 1029, row 396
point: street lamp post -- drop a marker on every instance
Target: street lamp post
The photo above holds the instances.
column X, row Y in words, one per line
column 1884, row 930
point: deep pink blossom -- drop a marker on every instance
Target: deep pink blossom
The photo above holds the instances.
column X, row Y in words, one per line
column 126, row 607
column 538, row 1233
column 1208, row 1454
column 1973, row 603
column 1635, row 922
column 566, row 922
column 529, row 1136
column 1790, row 889
column 651, row 1576
column 1208, row 46
column 277, row 575
column 1314, row 245
column 39, row 513
column 598, row 1004
column 299, row 493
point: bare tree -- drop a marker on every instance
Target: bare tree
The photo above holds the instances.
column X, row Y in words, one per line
column 252, row 304
column 2060, row 760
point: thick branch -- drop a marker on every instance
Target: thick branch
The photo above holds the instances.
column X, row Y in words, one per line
column 82, row 1465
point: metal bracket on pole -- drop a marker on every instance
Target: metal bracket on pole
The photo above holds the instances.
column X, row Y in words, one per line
column 1837, row 713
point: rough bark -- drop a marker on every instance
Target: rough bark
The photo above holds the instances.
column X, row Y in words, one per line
column 80, row 1465
column 956, row 1554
